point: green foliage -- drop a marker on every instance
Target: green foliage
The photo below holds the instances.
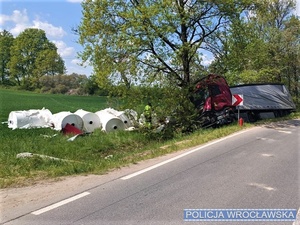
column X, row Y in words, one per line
column 165, row 134
column 6, row 41
column 177, row 104
column 91, row 87
column 261, row 46
column 150, row 50
column 153, row 42
column 261, row 76
column 167, row 102
column 31, row 62
column 48, row 62
column 33, row 56
column 63, row 84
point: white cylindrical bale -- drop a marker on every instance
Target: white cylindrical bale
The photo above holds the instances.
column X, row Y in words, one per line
column 122, row 116
column 109, row 121
column 61, row 119
column 33, row 118
column 90, row 120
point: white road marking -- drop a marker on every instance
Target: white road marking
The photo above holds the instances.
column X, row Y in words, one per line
column 267, row 155
column 263, row 186
column 285, row 131
column 58, row 204
column 263, row 139
column 180, row 156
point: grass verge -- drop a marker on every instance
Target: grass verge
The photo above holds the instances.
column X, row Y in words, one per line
column 96, row 153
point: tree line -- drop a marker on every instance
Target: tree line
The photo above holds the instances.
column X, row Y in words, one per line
column 31, row 62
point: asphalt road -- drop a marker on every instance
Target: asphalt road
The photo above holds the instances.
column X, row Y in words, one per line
column 254, row 169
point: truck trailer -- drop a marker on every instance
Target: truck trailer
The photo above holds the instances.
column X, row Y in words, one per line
column 213, row 99
column 262, row 101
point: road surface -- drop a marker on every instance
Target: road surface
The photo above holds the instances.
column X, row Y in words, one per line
column 257, row 168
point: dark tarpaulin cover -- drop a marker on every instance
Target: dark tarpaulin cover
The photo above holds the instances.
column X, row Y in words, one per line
column 264, row 97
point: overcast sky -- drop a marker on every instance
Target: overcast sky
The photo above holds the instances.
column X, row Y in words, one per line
column 56, row 18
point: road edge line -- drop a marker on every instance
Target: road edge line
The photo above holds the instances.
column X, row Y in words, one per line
column 58, row 204
column 181, row 155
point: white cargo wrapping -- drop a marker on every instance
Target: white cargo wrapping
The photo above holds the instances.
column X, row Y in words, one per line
column 33, row 118
column 122, row 116
column 106, row 119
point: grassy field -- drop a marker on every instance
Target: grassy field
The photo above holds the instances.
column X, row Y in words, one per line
column 11, row 100
column 96, row 153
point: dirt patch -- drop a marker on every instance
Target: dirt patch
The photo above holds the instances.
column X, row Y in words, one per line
column 18, row 201
column 283, row 124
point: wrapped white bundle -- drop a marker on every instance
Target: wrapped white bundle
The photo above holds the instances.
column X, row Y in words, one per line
column 33, row 118
column 109, row 121
column 61, row 119
column 90, row 120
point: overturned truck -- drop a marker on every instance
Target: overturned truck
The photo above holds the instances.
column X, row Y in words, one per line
column 262, row 101
column 213, row 98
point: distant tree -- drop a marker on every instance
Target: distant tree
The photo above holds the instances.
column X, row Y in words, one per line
column 48, row 62
column 91, row 87
column 62, row 84
column 33, row 56
column 76, row 80
column 6, row 41
column 47, row 83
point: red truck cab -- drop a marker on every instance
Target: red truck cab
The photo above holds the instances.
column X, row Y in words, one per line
column 212, row 97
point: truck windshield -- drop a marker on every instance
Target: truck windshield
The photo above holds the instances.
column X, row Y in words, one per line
column 200, row 97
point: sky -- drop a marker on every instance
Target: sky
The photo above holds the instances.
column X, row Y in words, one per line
column 56, row 18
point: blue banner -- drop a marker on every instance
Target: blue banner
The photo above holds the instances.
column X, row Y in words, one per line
column 240, row 214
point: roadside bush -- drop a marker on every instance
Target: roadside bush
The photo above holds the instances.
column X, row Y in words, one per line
column 167, row 133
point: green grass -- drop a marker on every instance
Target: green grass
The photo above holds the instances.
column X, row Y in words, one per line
column 96, row 153
column 12, row 100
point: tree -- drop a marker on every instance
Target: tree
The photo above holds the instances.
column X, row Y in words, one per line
column 33, row 56
column 6, row 41
column 62, row 84
column 261, row 44
column 48, row 62
column 291, row 59
column 280, row 32
column 271, row 18
column 150, row 41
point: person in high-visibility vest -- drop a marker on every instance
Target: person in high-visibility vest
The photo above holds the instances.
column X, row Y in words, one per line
column 148, row 114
